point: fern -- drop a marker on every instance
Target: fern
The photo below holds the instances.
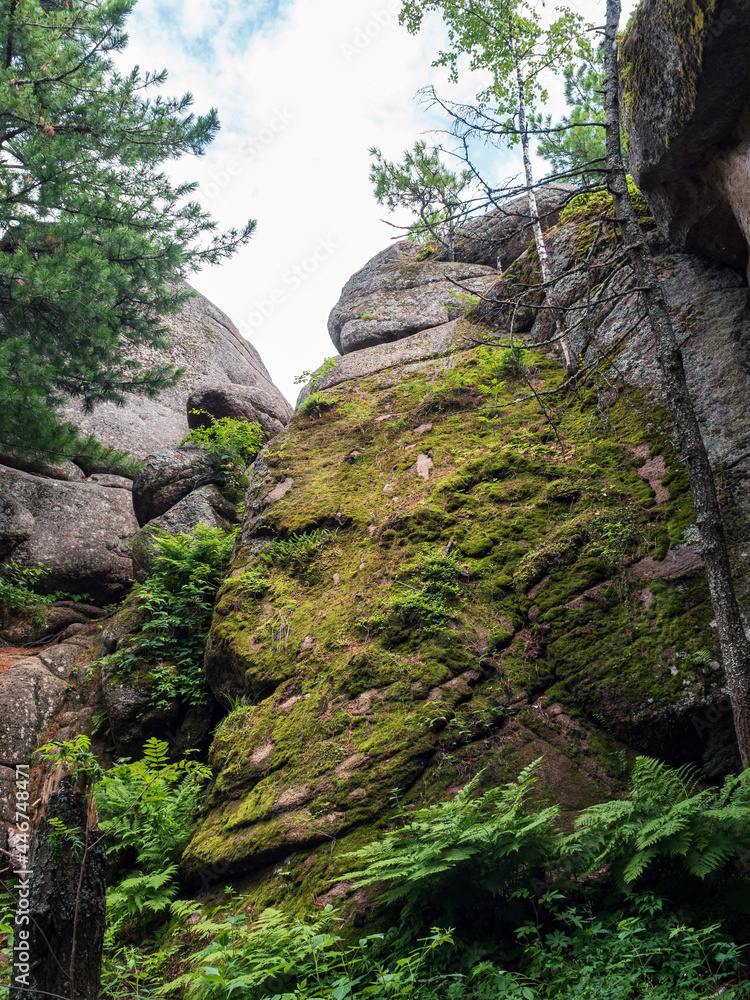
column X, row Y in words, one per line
column 666, row 824
column 467, row 843
column 138, row 897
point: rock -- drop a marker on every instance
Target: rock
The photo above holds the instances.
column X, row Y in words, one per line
column 169, row 475
column 500, row 236
column 115, row 482
column 80, row 531
column 16, row 522
column 57, row 617
column 686, row 114
column 132, row 717
column 240, row 402
column 396, row 294
column 423, row 346
column 203, row 506
column 208, row 345
column 30, row 697
column 348, row 694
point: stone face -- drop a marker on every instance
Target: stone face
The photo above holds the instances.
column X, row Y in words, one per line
column 81, row 531
column 240, row 402
column 423, row 346
column 500, row 236
column 396, row 295
column 348, row 694
column 205, row 505
column 208, row 345
column 169, row 475
column 687, row 113
column 30, row 696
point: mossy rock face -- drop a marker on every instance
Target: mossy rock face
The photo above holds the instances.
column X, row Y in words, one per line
column 684, row 69
column 471, row 612
column 435, row 579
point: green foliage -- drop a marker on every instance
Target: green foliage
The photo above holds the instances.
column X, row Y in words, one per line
column 253, row 582
column 177, row 601
column 627, row 954
column 575, row 146
column 504, row 37
column 428, row 597
column 59, row 834
column 592, row 204
column 312, row 378
column 297, row 551
column 439, row 198
column 316, row 404
column 469, row 845
column 232, row 443
column 279, row 957
column 81, row 763
column 665, row 829
column 96, row 238
column 146, row 809
column 17, row 590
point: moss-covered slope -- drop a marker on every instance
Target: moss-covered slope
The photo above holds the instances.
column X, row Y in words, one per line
column 433, row 580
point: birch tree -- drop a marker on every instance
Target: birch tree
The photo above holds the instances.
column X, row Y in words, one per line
column 508, row 38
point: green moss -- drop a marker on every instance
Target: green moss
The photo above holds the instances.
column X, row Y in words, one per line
column 549, row 627
column 641, row 66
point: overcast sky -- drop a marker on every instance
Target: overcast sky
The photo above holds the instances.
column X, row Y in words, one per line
column 303, row 88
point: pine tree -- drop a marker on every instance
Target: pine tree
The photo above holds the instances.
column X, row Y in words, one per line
column 95, row 238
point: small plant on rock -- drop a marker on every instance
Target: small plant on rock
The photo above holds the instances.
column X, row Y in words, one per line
column 232, row 443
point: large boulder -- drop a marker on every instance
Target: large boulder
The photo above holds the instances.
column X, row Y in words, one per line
column 169, row 475
column 686, row 77
column 81, row 531
column 240, row 402
column 397, row 294
column 205, row 506
column 499, row 237
column 208, row 345
column 580, row 626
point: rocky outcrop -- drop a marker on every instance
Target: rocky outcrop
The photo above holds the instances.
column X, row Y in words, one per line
column 686, row 73
column 206, row 505
column 575, row 617
column 44, row 695
column 207, row 344
column 397, row 294
column 168, row 477
column 404, row 290
column 79, row 530
column 499, row 237
column 239, row 402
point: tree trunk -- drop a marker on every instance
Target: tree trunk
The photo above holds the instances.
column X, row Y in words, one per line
column 61, row 939
column 735, row 648
column 536, row 223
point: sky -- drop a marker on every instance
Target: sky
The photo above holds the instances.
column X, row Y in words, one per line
column 303, row 89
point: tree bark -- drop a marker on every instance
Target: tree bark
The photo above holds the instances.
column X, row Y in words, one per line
column 735, row 648
column 536, row 223
column 64, row 935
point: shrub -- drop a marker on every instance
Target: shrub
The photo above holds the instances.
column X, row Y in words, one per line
column 178, row 600
column 232, row 443
column 146, row 809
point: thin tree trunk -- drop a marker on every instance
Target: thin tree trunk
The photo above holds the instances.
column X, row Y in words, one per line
column 536, row 224
column 64, row 935
column 735, row 648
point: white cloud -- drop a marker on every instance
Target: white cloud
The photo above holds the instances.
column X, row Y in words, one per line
column 302, row 93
